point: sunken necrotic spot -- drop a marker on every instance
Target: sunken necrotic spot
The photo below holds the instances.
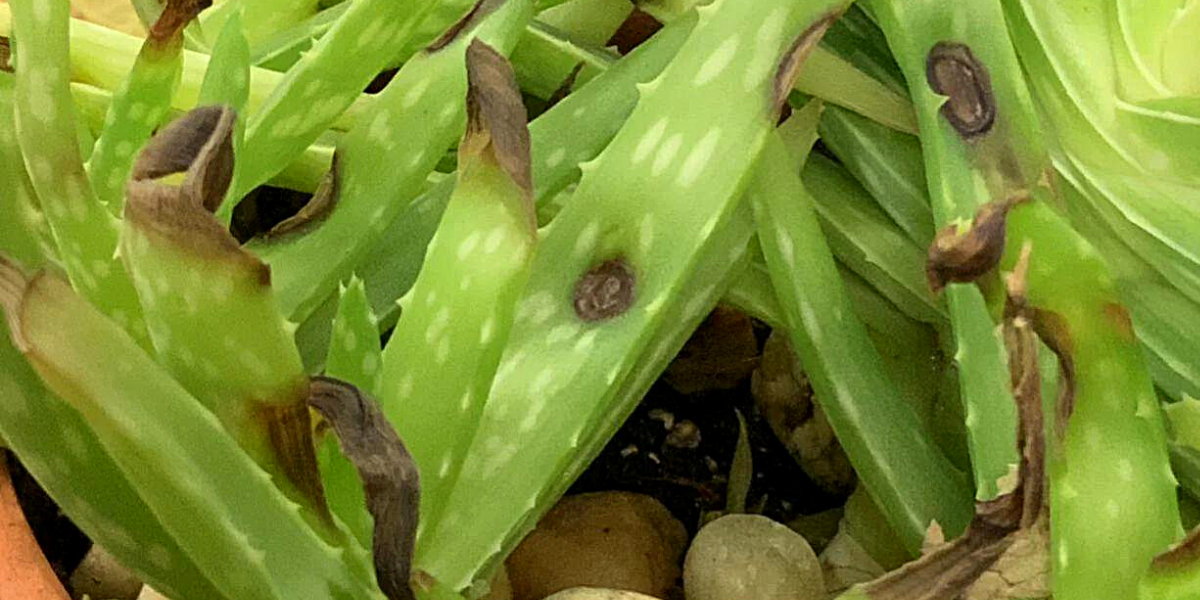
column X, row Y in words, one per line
column 953, row 71
column 605, row 291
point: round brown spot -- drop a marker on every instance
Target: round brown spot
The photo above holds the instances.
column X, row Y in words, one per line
column 605, row 291
column 953, row 71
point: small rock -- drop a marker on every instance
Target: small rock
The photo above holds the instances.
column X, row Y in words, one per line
column 100, row 575
column 751, row 557
column 614, row 540
column 782, row 394
column 586, row 593
column 720, row 354
column 499, row 588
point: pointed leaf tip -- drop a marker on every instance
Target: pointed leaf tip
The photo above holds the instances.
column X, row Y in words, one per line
column 174, row 18
column 389, row 476
column 496, row 116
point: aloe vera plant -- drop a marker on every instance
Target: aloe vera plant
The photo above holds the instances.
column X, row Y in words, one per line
column 507, row 244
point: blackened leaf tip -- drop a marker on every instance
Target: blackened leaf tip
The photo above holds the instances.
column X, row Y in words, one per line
column 789, row 67
column 389, row 476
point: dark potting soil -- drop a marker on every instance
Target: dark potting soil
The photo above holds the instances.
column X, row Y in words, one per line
column 691, row 478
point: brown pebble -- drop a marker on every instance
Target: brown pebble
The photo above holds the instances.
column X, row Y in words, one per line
column 613, row 540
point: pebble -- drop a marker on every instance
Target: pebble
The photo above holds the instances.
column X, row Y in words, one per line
column 612, row 540
column 751, row 557
column 586, row 593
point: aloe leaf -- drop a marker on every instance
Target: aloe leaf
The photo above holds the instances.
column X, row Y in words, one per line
column 283, row 48
column 262, row 17
column 867, row 241
column 383, row 161
column 57, row 446
column 355, row 350
column 225, row 513
column 324, row 84
column 656, row 181
column 913, row 482
column 593, row 114
column 1111, row 403
column 194, row 281
column 887, row 163
column 25, row 233
column 964, row 170
column 354, row 357
column 140, row 105
column 463, row 301
column 84, row 231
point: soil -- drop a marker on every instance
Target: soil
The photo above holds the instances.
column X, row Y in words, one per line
column 645, row 457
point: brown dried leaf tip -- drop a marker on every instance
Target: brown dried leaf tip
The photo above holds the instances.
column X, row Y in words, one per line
column 174, row 18
column 5, row 55
column 481, row 9
column 949, row 570
column 605, row 291
column 200, row 145
column 322, row 203
column 389, row 476
column 963, row 258
column 789, row 68
column 497, row 124
column 953, row 71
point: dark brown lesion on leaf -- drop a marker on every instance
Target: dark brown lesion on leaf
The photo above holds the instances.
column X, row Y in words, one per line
column 168, row 29
column 952, row 70
column 481, row 9
column 200, row 146
column 497, row 123
column 389, row 475
column 1118, row 315
column 964, row 258
column 605, row 291
column 789, row 67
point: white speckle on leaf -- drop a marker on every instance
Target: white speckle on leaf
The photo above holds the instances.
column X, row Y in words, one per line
column 649, row 140
column 555, row 158
column 717, row 62
column 494, row 239
column 586, row 242
column 464, row 403
column 646, row 232
column 488, row 330
column 438, row 324
column 443, row 351
column 666, row 154
column 444, row 469
column 370, row 363
column 405, row 388
column 413, row 95
column 468, row 245
column 784, row 240
column 587, row 340
column 698, row 158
